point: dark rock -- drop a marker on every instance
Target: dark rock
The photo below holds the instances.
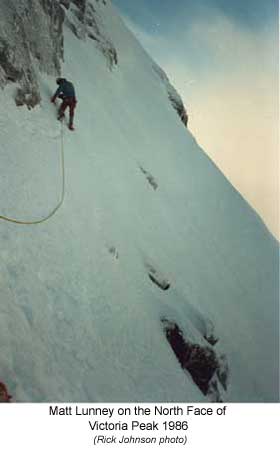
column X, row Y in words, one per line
column 113, row 251
column 65, row 3
column 111, row 53
column 180, row 108
column 157, row 278
column 81, row 4
column 206, row 368
column 161, row 283
column 173, row 96
column 149, row 178
column 28, row 98
column 91, row 36
column 9, row 70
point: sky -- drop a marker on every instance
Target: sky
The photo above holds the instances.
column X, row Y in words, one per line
column 222, row 56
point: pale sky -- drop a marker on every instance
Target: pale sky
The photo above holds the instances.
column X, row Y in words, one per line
column 222, row 56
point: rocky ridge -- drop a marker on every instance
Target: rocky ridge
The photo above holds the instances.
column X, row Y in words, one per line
column 32, row 41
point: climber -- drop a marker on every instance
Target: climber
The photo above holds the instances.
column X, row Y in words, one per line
column 66, row 92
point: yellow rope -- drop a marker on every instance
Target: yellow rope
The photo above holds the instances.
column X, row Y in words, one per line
column 44, row 219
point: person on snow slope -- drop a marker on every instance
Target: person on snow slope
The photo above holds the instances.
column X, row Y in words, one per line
column 66, row 92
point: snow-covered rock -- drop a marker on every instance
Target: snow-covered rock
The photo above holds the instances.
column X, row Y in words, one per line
column 85, row 20
column 30, row 37
column 31, row 40
column 174, row 97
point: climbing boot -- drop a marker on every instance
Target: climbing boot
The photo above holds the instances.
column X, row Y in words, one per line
column 60, row 116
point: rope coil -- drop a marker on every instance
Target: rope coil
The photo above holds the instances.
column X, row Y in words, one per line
column 52, row 213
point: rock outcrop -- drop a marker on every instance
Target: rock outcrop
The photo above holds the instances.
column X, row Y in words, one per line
column 208, row 369
column 174, row 97
column 85, row 21
column 31, row 40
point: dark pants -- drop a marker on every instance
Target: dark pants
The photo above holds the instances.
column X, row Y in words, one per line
column 68, row 102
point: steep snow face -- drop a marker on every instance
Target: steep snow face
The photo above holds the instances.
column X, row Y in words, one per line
column 155, row 281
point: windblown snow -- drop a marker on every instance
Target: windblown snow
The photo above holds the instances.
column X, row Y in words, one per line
column 80, row 316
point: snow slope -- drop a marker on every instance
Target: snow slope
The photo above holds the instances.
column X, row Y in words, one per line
column 80, row 319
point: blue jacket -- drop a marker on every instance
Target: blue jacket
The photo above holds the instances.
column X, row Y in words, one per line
column 65, row 89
